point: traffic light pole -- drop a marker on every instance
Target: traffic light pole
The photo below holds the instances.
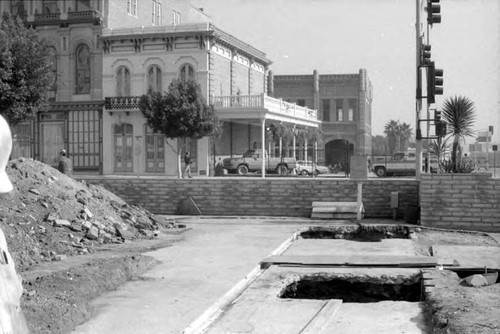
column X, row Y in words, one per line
column 418, row 141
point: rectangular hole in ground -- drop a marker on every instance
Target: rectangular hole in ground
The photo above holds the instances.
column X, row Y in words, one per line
column 367, row 233
column 355, row 290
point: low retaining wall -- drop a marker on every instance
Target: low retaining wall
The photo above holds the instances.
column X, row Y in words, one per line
column 255, row 196
column 460, row 201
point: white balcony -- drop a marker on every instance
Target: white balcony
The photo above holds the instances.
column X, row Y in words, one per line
column 263, row 107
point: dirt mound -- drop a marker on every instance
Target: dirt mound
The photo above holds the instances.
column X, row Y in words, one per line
column 49, row 216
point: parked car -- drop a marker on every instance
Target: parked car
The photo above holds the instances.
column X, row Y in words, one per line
column 251, row 161
column 307, row 168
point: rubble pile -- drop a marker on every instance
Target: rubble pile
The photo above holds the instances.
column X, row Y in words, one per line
column 49, row 216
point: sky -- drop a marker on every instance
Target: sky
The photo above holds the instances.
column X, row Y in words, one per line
column 342, row 36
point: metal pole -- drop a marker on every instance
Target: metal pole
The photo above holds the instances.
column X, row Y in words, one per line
column 418, row 142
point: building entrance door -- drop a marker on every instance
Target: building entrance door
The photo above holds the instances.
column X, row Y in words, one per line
column 123, row 147
column 52, row 139
column 155, row 152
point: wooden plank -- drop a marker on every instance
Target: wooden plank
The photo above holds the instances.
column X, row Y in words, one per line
column 469, row 257
column 324, row 317
column 323, row 204
column 351, row 260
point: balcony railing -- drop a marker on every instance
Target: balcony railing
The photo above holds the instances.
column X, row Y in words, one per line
column 88, row 16
column 266, row 102
column 121, row 102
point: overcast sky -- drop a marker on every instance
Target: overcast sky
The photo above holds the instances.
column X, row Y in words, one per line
column 342, row 36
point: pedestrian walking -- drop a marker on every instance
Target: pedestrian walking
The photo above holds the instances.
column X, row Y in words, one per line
column 187, row 168
column 65, row 165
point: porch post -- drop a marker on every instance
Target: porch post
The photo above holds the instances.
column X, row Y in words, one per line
column 263, row 141
column 294, row 143
column 305, row 149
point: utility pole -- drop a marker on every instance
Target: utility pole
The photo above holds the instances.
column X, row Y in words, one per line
column 418, row 105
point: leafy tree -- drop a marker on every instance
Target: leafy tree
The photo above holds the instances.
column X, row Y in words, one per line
column 459, row 113
column 24, row 71
column 180, row 113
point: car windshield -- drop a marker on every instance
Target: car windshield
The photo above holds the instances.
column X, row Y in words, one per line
column 249, row 154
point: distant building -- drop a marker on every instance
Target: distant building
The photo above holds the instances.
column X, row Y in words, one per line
column 344, row 104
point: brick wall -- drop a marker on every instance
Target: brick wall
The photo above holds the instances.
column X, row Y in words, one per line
column 460, row 201
column 257, row 196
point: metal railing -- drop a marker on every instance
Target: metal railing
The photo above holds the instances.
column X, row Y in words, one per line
column 263, row 101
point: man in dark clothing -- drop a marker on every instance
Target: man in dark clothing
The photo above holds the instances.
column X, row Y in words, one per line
column 65, row 164
column 187, row 169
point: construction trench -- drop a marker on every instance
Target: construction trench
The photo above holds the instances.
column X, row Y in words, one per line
column 335, row 279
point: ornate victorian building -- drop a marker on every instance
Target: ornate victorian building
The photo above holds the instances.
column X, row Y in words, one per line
column 107, row 53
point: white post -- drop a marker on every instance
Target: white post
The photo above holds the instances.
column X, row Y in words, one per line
column 263, row 139
column 360, row 201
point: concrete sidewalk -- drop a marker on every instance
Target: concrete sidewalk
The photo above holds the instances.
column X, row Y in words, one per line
column 194, row 273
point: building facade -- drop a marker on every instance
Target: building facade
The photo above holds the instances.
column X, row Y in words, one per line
column 343, row 102
column 106, row 53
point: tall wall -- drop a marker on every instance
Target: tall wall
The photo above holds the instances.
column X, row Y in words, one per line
column 257, row 196
column 460, row 201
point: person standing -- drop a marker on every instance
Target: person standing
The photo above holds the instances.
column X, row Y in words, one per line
column 187, row 168
column 65, row 164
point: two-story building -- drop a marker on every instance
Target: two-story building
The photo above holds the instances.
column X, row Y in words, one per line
column 106, row 53
column 344, row 104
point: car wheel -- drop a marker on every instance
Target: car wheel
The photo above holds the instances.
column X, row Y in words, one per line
column 304, row 172
column 282, row 170
column 242, row 170
column 380, row 171
column 316, row 172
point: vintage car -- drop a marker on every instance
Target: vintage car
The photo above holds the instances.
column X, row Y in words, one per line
column 251, row 161
column 307, row 168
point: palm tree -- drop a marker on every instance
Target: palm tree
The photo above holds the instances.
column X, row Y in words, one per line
column 391, row 130
column 459, row 113
column 404, row 133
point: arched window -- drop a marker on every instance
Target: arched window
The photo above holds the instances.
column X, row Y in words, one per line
column 122, row 81
column 187, row 73
column 154, row 79
column 82, row 65
column 52, row 60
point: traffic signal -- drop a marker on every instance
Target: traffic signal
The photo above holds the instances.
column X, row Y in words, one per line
column 425, row 53
column 434, row 82
column 437, row 116
column 433, row 12
column 440, row 127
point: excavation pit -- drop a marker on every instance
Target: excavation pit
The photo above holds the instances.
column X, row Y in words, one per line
column 356, row 289
column 363, row 233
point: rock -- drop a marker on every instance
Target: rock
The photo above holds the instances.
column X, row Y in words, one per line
column 123, row 233
column 87, row 212
column 75, row 227
column 86, row 225
column 93, row 233
column 51, row 217
column 477, row 280
column 60, row 257
column 45, row 205
column 61, row 222
column 34, row 191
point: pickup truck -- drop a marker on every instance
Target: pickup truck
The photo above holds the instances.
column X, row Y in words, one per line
column 401, row 163
column 251, row 161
